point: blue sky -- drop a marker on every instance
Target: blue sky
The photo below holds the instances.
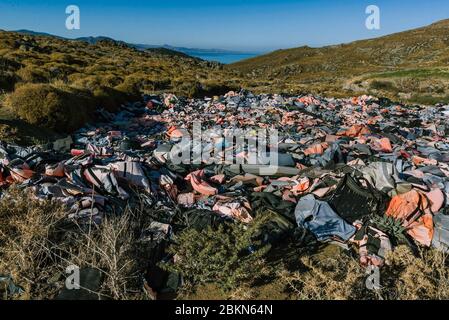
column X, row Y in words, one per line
column 249, row 25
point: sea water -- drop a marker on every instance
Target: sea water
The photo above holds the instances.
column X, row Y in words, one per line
column 225, row 58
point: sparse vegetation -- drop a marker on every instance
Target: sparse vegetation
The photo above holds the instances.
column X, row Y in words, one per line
column 37, row 243
column 335, row 275
column 419, row 56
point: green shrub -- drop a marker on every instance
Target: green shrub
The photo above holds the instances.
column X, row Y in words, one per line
column 8, row 64
column 7, row 81
column 196, row 89
column 218, row 256
column 58, row 70
column 109, row 98
column 157, row 84
column 131, row 86
column 64, row 58
column 7, row 133
column 92, row 82
column 211, row 88
column 50, row 107
column 187, row 88
column 382, row 85
column 33, row 74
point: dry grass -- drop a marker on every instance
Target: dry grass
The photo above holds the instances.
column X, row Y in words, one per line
column 107, row 73
column 405, row 277
column 333, row 278
column 423, row 277
column 24, row 233
column 35, row 252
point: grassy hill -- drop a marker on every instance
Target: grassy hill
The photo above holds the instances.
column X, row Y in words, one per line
column 56, row 83
column 409, row 66
column 43, row 59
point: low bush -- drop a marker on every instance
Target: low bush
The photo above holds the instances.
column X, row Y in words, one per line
column 215, row 88
column 218, row 256
column 337, row 277
column 132, row 85
column 383, row 85
column 32, row 74
column 50, row 107
column 429, row 99
column 7, row 81
column 8, row 133
column 109, row 98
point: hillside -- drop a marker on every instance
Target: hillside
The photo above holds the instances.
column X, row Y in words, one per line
column 46, row 59
column 411, row 65
column 79, row 76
